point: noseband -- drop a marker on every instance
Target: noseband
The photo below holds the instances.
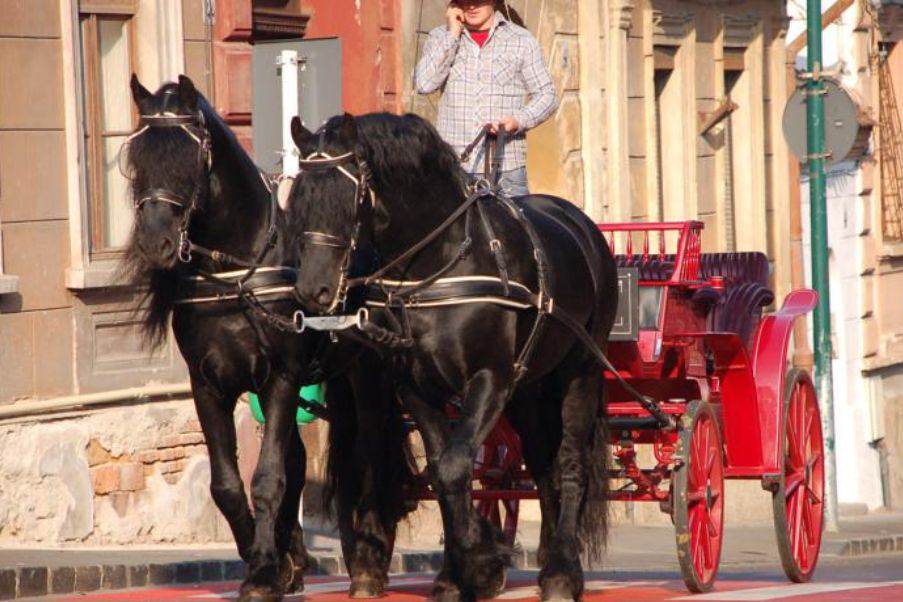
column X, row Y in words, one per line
column 204, row 160
column 321, row 161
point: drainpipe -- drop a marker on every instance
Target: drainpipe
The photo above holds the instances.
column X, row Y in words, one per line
column 815, row 137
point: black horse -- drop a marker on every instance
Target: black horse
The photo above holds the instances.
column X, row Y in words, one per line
column 466, row 348
column 202, row 207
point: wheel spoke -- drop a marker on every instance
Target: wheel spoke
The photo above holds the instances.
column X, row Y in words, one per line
column 796, row 522
column 792, row 481
column 710, row 522
column 695, row 497
column 813, row 497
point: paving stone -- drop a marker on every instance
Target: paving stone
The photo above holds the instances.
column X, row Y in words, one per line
column 114, row 577
column 159, row 574
column 62, row 580
column 138, row 575
column 188, row 572
column 211, row 571
column 7, row 584
column 33, row 581
column 87, row 578
column 234, row 570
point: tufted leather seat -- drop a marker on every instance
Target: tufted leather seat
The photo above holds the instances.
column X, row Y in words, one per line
column 738, row 308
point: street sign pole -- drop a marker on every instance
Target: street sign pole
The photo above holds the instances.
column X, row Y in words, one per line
column 815, row 137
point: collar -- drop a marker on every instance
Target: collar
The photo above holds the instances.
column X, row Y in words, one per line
column 498, row 20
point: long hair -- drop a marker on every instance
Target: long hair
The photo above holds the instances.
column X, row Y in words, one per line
column 512, row 15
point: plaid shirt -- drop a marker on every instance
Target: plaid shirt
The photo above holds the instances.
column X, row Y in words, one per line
column 486, row 84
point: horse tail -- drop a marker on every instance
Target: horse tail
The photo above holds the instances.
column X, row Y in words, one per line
column 593, row 531
column 367, row 436
column 341, row 487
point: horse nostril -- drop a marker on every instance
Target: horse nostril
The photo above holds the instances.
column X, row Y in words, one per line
column 323, row 297
column 166, row 245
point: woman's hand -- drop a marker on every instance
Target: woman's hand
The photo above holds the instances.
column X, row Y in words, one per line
column 454, row 16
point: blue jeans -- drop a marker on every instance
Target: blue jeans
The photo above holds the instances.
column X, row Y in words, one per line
column 514, row 182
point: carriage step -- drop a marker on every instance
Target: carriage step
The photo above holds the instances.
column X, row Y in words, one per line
column 627, row 423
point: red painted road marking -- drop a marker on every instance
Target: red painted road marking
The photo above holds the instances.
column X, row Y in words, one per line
column 416, row 589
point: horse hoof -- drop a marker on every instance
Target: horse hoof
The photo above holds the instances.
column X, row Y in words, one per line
column 445, row 591
column 558, row 589
column 256, row 593
column 366, row 587
column 291, row 576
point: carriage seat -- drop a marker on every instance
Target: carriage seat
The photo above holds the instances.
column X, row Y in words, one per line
column 738, row 306
column 652, row 268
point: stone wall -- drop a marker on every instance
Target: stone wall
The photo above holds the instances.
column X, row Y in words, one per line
column 135, row 474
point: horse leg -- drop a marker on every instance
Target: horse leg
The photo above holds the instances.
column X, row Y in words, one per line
column 537, row 421
column 267, row 571
column 380, row 465
column 475, row 553
column 290, row 536
column 350, row 481
column 218, row 424
column 580, row 470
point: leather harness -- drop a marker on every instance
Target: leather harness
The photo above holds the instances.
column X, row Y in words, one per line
column 440, row 291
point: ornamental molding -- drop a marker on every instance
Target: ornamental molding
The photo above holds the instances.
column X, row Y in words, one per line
column 739, row 30
column 622, row 13
column 669, row 28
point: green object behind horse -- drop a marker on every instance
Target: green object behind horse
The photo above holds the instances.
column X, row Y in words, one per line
column 312, row 394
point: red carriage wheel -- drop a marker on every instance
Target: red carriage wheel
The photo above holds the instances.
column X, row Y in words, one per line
column 496, row 465
column 698, row 497
column 798, row 499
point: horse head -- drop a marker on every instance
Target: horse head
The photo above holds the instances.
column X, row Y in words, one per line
column 331, row 211
column 168, row 159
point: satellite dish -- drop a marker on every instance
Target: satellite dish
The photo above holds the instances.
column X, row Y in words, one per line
column 842, row 127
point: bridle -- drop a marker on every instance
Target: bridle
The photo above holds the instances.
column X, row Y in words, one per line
column 320, row 160
column 195, row 127
column 203, row 163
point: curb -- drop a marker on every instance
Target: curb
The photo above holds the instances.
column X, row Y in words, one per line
column 25, row 582
column 869, row 546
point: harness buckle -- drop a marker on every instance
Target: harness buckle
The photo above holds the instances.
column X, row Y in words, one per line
column 495, row 245
column 184, row 247
column 298, row 321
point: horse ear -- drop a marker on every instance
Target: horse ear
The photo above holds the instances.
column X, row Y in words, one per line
column 188, row 94
column 139, row 92
column 348, row 130
column 300, row 134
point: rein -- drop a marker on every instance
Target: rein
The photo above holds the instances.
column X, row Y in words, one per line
column 462, row 289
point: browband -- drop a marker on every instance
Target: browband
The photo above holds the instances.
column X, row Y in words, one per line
column 167, row 120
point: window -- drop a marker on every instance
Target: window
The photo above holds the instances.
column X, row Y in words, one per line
column 731, row 76
column 664, row 104
column 108, row 59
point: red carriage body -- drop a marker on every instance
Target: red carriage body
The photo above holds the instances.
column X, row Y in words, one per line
column 698, row 344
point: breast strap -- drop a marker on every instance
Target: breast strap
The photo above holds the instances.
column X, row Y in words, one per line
column 267, row 282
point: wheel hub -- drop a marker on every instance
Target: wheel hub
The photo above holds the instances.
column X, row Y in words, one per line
column 708, row 495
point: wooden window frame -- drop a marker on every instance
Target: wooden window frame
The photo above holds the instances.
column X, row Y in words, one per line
column 90, row 14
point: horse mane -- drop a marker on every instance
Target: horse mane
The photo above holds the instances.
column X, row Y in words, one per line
column 403, row 151
column 154, row 155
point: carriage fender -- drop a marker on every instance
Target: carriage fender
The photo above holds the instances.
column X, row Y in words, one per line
column 769, row 358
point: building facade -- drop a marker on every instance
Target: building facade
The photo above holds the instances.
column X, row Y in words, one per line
column 669, row 110
column 862, row 50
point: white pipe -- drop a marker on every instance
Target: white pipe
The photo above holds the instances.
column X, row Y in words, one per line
column 74, row 402
column 288, row 60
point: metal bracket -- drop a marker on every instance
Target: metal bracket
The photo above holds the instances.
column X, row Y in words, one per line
column 824, row 155
column 330, row 323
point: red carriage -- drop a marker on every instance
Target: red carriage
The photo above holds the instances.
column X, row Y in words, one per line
column 691, row 336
